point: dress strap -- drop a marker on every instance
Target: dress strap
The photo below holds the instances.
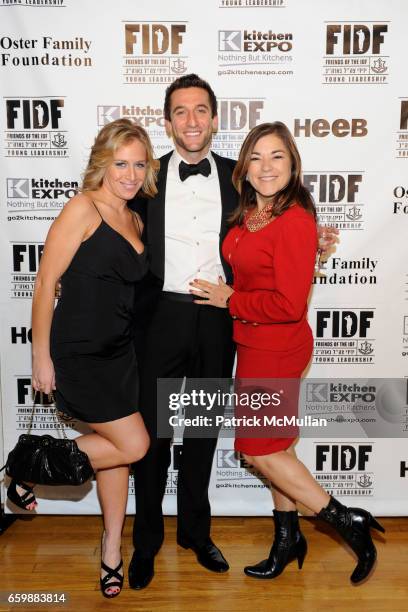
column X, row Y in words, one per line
column 97, row 210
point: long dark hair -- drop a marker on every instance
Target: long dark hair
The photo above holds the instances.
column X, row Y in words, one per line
column 294, row 191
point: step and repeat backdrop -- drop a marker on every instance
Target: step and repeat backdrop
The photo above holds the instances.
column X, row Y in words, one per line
column 335, row 73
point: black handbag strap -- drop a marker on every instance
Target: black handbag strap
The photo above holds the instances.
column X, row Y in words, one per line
column 54, row 412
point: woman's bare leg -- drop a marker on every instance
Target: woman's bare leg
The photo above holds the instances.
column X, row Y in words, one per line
column 111, row 448
column 115, row 443
column 112, row 485
column 292, row 478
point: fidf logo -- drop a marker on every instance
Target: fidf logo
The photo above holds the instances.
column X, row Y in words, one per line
column 33, row 127
column 402, row 140
column 154, row 38
column 342, row 457
column 25, row 393
column 341, row 336
column 353, row 53
column 26, row 257
column 355, row 38
column 34, row 114
column 343, row 323
column 333, row 188
column 337, row 196
column 404, row 115
column 153, row 52
column 239, row 114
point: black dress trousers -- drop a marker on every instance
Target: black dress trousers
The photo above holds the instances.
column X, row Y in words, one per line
column 183, row 339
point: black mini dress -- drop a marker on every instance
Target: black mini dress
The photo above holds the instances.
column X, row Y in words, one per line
column 92, row 344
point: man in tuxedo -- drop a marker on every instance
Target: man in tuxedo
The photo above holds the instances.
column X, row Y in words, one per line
column 185, row 225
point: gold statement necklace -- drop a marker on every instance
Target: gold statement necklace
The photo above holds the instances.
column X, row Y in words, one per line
column 259, row 218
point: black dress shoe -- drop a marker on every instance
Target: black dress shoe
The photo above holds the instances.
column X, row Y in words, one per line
column 208, row 555
column 141, row 571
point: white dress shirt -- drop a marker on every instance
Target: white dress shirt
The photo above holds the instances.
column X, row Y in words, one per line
column 192, row 227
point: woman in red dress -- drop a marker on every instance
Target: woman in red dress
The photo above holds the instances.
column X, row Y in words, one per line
column 271, row 248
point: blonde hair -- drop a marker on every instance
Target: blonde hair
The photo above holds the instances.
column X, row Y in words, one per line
column 107, row 142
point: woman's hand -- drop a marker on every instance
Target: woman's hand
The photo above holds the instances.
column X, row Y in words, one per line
column 328, row 237
column 43, row 375
column 211, row 294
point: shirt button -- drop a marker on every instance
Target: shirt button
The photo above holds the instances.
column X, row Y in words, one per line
column 194, row 218
column 197, row 243
column 229, row 255
column 234, row 317
column 255, row 324
column 242, row 321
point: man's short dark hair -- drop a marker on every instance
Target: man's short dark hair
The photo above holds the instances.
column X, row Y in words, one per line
column 189, row 80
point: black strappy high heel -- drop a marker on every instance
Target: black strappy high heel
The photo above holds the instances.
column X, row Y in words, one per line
column 24, row 500
column 111, row 573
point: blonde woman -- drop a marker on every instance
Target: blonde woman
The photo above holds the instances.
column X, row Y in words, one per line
column 84, row 350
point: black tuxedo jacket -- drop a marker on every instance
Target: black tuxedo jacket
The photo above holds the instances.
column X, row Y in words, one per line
column 152, row 212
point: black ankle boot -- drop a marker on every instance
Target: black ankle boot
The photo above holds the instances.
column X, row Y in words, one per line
column 289, row 544
column 353, row 524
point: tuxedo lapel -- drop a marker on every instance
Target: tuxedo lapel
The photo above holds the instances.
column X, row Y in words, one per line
column 156, row 219
column 229, row 197
column 229, row 200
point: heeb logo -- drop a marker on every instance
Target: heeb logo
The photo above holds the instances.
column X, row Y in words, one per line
column 321, row 128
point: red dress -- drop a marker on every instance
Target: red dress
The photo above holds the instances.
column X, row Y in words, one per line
column 273, row 272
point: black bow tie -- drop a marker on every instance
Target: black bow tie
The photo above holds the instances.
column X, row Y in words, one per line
column 186, row 170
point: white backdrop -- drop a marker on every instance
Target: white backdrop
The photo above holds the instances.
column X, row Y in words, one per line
column 335, row 73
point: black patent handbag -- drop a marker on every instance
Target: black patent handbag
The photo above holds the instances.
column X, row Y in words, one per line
column 47, row 460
